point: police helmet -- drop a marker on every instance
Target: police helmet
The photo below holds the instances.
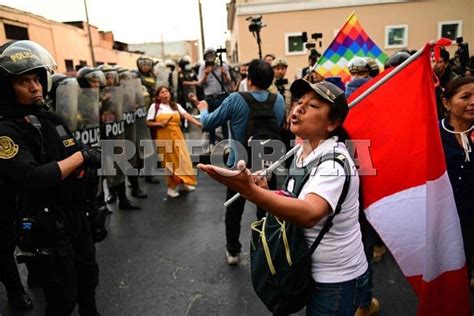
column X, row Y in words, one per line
column 87, row 74
column 111, row 75
column 374, row 68
column 123, row 73
column 170, row 64
column 144, row 61
column 184, row 60
column 358, row 65
column 56, row 81
column 396, row 59
column 20, row 57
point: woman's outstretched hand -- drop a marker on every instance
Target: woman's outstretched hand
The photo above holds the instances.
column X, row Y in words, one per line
column 239, row 180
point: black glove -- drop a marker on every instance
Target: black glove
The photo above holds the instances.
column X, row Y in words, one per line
column 92, row 157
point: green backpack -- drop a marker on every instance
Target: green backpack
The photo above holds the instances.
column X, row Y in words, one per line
column 280, row 260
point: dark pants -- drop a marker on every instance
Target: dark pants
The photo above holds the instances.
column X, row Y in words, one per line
column 214, row 102
column 8, row 270
column 72, row 274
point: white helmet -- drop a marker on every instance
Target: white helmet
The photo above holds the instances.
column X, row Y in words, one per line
column 358, row 64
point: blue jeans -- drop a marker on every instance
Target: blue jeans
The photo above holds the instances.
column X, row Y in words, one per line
column 337, row 299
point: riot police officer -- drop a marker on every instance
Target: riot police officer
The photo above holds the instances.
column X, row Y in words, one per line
column 43, row 165
column 148, row 80
column 78, row 106
column 185, row 75
column 113, row 128
column 17, row 297
column 129, row 86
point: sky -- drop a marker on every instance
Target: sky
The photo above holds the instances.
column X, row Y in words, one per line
column 138, row 21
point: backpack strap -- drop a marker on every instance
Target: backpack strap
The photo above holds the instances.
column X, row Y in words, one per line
column 344, row 162
column 254, row 104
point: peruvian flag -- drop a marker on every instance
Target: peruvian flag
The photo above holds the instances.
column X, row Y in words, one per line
column 409, row 200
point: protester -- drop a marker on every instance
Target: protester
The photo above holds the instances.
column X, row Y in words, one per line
column 43, row 165
column 236, row 109
column 456, row 131
column 359, row 69
column 164, row 117
column 242, row 84
column 338, row 264
column 269, row 58
column 444, row 74
column 312, row 59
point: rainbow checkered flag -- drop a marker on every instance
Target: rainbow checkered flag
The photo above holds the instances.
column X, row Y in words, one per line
column 351, row 41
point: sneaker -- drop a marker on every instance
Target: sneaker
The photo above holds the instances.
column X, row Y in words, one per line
column 379, row 251
column 172, row 193
column 372, row 310
column 188, row 188
column 232, row 260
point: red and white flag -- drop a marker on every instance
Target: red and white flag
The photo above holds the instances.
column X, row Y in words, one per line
column 410, row 201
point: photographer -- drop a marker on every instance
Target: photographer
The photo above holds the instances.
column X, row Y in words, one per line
column 214, row 78
column 312, row 59
column 44, row 167
column 280, row 83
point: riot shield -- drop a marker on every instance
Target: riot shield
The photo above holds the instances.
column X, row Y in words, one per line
column 142, row 131
column 129, row 108
column 88, row 119
column 112, row 129
column 112, row 107
column 162, row 75
column 66, row 102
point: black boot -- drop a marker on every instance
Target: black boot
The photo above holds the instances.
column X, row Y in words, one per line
column 124, row 202
column 136, row 191
column 112, row 197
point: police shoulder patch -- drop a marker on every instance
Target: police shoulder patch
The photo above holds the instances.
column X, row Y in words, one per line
column 8, row 149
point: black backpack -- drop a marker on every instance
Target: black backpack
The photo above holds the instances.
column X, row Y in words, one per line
column 280, row 260
column 262, row 126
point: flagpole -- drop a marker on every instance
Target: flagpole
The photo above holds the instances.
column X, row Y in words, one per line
column 386, row 78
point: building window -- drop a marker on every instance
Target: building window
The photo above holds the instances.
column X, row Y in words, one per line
column 82, row 62
column 396, row 36
column 112, row 64
column 98, row 63
column 450, row 29
column 69, row 65
column 294, row 44
column 14, row 32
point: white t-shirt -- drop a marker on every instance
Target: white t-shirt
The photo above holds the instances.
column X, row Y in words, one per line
column 164, row 108
column 340, row 256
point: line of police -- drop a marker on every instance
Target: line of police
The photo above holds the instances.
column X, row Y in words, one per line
column 53, row 205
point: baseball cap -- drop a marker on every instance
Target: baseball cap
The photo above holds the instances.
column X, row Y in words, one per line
column 326, row 90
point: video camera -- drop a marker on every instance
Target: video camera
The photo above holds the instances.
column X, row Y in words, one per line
column 281, row 82
column 255, row 23
column 463, row 54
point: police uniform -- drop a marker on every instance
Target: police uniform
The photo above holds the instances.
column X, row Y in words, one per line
column 51, row 226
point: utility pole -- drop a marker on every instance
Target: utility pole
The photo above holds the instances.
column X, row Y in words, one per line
column 90, row 35
column 202, row 27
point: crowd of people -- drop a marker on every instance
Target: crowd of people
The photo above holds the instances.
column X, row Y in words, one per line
column 56, row 201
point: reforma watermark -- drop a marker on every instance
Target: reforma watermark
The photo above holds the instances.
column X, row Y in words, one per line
column 259, row 155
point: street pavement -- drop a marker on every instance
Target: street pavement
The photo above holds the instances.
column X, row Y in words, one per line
column 169, row 259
